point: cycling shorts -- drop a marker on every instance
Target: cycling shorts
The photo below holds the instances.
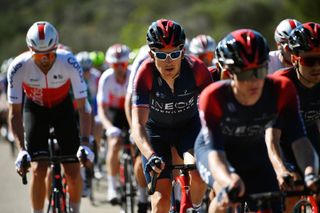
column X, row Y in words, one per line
column 118, row 118
column 37, row 121
column 162, row 139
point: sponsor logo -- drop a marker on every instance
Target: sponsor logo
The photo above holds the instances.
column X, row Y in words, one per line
column 172, row 107
column 14, row 71
column 76, row 65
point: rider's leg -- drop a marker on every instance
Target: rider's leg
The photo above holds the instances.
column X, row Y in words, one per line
column 38, row 186
column 113, row 165
column 197, row 185
column 160, row 200
column 74, row 180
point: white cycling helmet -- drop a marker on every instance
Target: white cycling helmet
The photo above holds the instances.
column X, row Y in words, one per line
column 84, row 60
column 42, row 37
column 117, row 53
column 283, row 30
column 202, row 44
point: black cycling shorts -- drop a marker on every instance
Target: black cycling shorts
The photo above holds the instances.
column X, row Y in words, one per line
column 118, row 118
column 162, row 139
column 37, row 121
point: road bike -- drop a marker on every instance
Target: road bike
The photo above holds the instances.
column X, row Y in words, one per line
column 127, row 178
column 182, row 181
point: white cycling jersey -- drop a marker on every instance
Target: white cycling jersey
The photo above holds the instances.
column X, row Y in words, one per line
column 274, row 61
column 45, row 89
column 111, row 92
column 142, row 55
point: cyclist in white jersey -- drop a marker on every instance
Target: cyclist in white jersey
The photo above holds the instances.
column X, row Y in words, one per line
column 45, row 75
column 110, row 97
column 280, row 58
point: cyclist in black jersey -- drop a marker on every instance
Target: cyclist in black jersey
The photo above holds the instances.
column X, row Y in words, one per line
column 165, row 112
column 235, row 116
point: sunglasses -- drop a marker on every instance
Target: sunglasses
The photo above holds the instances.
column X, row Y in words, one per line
column 44, row 56
column 309, row 61
column 245, row 75
column 120, row 64
column 162, row 56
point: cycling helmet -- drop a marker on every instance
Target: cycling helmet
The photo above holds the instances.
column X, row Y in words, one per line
column 283, row 30
column 202, row 44
column 84, row 60
column 42, row 37
column 165, row 33
column 117, row 53
column 97, row 58
column 244, row 49
column 305, row 37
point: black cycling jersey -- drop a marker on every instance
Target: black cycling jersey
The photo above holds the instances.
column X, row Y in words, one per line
column 239, row 130
column 167, row 108
column 310, row 111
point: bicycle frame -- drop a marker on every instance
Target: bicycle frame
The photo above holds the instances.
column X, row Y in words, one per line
column 184, row 180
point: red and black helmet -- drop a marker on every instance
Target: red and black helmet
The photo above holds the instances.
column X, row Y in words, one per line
column 305, row 38
column 165, row 33
column 244, row 49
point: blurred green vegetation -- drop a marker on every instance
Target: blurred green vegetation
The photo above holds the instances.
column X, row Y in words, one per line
column 96, row 24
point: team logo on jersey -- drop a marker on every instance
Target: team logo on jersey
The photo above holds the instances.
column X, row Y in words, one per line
column 160, row 95
column 76, row 65
column 14, row 71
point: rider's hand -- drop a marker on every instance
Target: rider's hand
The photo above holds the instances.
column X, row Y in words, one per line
column 155, row 164
column 22, row 169
column 88, row 152
column 287, row 179
column 234, row 190
column 113, row 132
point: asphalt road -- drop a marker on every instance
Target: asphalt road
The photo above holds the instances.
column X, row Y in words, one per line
column 14, row 196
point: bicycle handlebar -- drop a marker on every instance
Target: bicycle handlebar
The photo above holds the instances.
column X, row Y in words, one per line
column 56, row 159
column 24, row 164
column 182, row 167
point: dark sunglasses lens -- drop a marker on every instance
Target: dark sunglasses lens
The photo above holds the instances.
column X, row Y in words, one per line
column 259, row 73
column 161, row 56
column 175, row 54
column 309, row 61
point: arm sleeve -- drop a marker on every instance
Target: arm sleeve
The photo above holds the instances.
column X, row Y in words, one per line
column 79, row 85
column 15, row 79
column 103, row 89
column 210, row 115
column 291, row 123
column 142, row 86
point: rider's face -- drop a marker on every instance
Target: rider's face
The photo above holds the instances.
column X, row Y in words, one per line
column 167, row 61
column 44, row 60
column 308, row 64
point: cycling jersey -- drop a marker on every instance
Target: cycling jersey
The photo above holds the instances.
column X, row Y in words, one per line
column 274, row 61
column 45, row 89
column 310, row 111
column 238, row 130
column 167, row 108
column 111, row 92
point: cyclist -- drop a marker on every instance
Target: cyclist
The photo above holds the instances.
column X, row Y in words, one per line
column 203, row 47
column 304, row 42
column 280, row 58
column 45, row 75
column 110, row 97
column 142, row 55
column 165, row 112
column 236, row 113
